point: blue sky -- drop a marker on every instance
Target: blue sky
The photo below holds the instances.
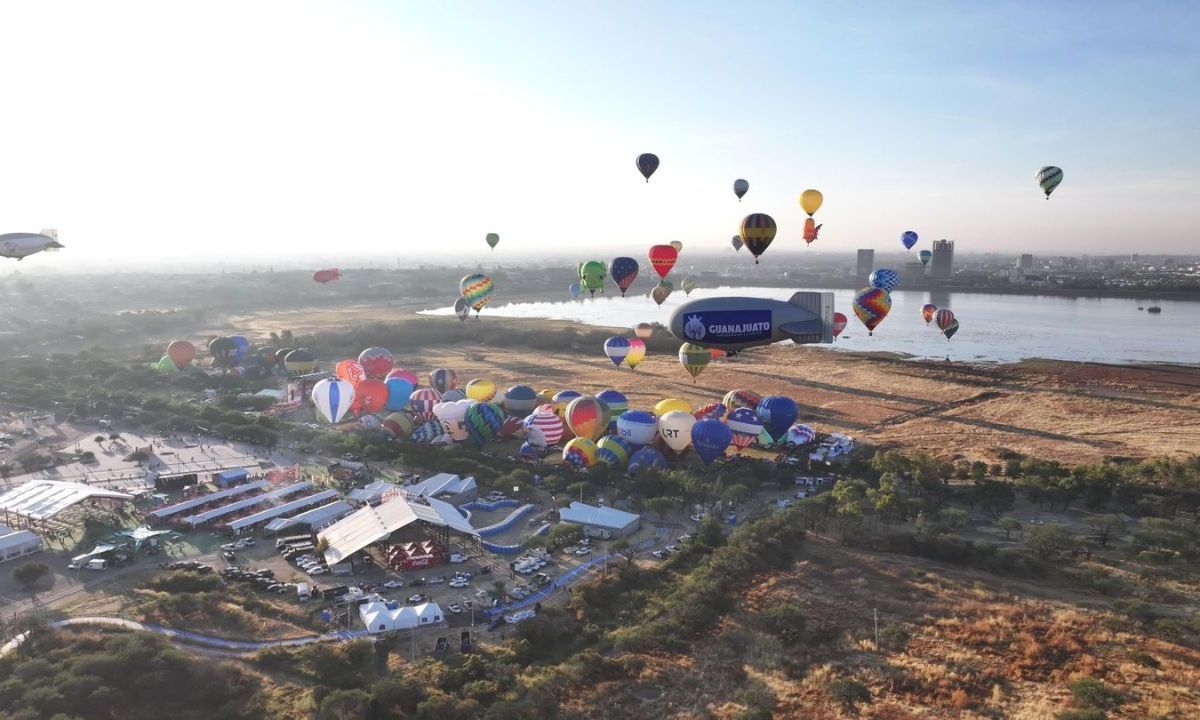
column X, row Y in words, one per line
column 316, row 127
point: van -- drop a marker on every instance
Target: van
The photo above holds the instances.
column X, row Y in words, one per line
column 304, row 592
column 97, row 564
column 457, row 558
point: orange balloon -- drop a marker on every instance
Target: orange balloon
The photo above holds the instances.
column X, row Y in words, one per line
column 370, row 396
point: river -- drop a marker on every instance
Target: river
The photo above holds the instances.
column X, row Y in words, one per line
column 993, row 328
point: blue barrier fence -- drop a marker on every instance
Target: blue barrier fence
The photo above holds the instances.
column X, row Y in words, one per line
column 513, row 549
column 560, row 583
column 489, row 506
column 507, row 523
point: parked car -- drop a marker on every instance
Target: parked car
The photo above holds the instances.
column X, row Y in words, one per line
column 437, row 580
column 454, row 608
column 229, row 556
column 393, row 584
column 660, row 554
column 458, row 583
column 419, row 597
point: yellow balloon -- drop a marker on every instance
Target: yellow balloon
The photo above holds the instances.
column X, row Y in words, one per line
column 670, row 405
column 545, row 395
column 811, row 200
column 481, row 390
column 677, row 245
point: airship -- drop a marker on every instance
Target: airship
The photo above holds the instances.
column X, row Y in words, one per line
column 21, row 245
column 736, row 323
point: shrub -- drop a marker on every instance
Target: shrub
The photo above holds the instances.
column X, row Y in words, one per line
column 848, row 693
column 1081, row 714
column 1145, row 659
column 1093, row 693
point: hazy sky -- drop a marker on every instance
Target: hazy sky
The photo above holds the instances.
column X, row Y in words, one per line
column 141, row 129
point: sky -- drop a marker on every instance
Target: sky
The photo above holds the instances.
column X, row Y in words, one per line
column 167, row 130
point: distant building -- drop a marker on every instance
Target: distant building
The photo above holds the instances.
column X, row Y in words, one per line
column 1025, row 262
column 913, row 272
column 941, row 267
column 601, row 522
column 866, row 265
column 445, row 486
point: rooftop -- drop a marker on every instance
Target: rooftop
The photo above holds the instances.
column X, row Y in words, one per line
column 43, row 499
column 607, row 517
column 371, row 524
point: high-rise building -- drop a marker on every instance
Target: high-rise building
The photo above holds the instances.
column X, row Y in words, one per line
column 866, row 265
column 913, row 273
column 1025, row 262
column 941, row 266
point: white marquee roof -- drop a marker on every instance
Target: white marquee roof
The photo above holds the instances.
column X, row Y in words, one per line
column 372, row 524
column 43, row 499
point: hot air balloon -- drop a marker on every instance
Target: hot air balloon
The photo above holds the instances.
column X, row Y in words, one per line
column 694, row 358
column 942, row 318
column 280, row 354
column 562, row 399
column 811, row 229
column 740, row 188
column 647, row 163
column 637, row 427
column 422, row 403
column 181, row 353
column 453, row 417
column 662, row 291
column 908, row 239
column 758, row 230
column 871, row 305
column 670, row 405
column 370, row 396
column 884, row 279
column 544, row 428
column 624, row 271
column 269, row 356
column 529, row 451
column 399, row 391
column 616, row 402
column 643, row 330
column 777, row 413
column 591, row 276
column 333, row 399
column 662, row 259
column 580, row 452
column 443, row 379
column 950, row 329
column 678, row 245
column 925, row 256
column 481, row 390
column 675, row 429
column 586, row 417
column 711, row 438
column 476, row 289
column 688, row 285
column 800, row 435
column 299, row 362
column 613, row 452
column 927, row 312
column 647, row 458
column 408, row 375
column 462, row 309
column 735, row 399
column 1048, row 178
column 637, row 353
column 711, row 410
column 575, row 289
column 454, row 395
column 512, row 427
column 492, row 240
column 839, row 323
column 616, row 348
column 428, row 431
column 325, row 276
column 350, row 371
column 241, row 348
column 377, row 362
column 519, row 400
column 164, row 364
column 745, row 425
column 483, row 422
column 398, row 425
column 737, row 243
column 810, row 201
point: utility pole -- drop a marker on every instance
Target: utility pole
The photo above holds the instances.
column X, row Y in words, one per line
column 876, row 611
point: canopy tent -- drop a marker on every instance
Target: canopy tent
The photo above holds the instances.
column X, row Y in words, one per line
column 43, row 499
column 141, row 535
column 196, row 502
column 271, row 513
column 371, row 524
column 316, row 518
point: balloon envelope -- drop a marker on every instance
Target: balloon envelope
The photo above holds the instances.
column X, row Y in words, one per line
column 350, row 371
column 333, row 399
column 745, row 426
column 1048, row 178
column 800, row 435
column 839, row 323
column 925, row 256
column 398, row 425
column 647, row 163
column 737, row 243
column 408, row 375
column 575, row 289
column 443, row 379
column 942, row 318
column 872, row 305
column 643, row 330
column 519, row 400
column 662, row 291
column 544, row 428
column 587, row 417
column 950, row 330
column 694, row 358
column 462, row 309
column 299, row 362
column 711, row 438
column 637, row 427
column 492, row 240
column 181, row 353
column 885, row 279
column 617, row 349
column 591, row 276
column 758, row 230
column 777, row 413
column 624, row 271
column 324, row 276
column 647, row 458
column 735, row 399
column 370, row 396
column 810, row 201
column 740, row 188
column 580, row 452
column 675, row 428
column 482, row 421
column 423, row 401
column 928, row 310
column 908, row 239
column 637, row 353
column 612, row 451
column 662, row 259
column 481, row 390
column 399, row 391
column 476, row 289
column 615, row 401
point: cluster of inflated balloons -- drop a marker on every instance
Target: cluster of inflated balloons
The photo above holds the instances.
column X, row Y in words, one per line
column 943, row 318
column 234, row 355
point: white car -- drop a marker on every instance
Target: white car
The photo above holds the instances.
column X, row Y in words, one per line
column 318, row 571
column 393, row 584
column 435, row 580
column 698, row 518
column 416, row 598
column 454, row 608
column 458, row 584
column 584, row 551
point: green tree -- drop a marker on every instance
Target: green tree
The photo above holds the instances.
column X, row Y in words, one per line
column 1048, row 541
column 1009, row 526
column 979, row 471
column 624, row 548
column 848, row 693
column 564, row 534
column 29, row 574
column 344, row 705
column 1105, row 528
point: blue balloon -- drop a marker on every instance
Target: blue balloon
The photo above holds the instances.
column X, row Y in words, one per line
column 624, row 271
column 576, row 290
column 777, row 413
column 711, row 438
column 241, row 346
column 617, row 404
column 637, row 427
column 454, row 395
column 399, row 391
column 519, row 400
column 909, row 238
column 530, row 452
column 885, row 279
column 647, row 459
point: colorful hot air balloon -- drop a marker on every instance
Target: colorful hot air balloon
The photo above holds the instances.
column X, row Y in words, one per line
column 688, row 285
column 492, row 240
column 740, row 188
column 711, row 438
column 1048, row 178
column 370, row 396
column 927, row 312
column 164, row 364
column 643, row 330
column 422, row 403
column 300, row 362
column 675, row 429
column 647, row 163
column 637, row 353
column 181, row 353
column 871, row 305
column 624, row 271
column 662, row 291
column 616, row 402
column 476, row 289
column 737, row 243
column 839, row 323
column 908, row 239
column 950, row 329
column 810, row 201
column 758, row 230
column 735, row 399
column 377, row 362
column 519, row 400
column 711, row 410
column 512, row 427
column 942, row 318
column 575, row 289
column 637, row 427
column 670, row 405
column 481, row 390
column 529, row 451
column 613, row 452
column 544, row 428
column 647, row 458
column 562, row 399
column 443, row 379
column 777, row 413
column 454, row 395
column 662, row 259
column 800, row 435
column 408, row 375
column 694, row 358
column 617, row 349
column 453, row 416
column 241, row 348
column 811, row 229
column 462, row 309
column 398, row 425
column 333, row 399
column 586, row 417
column 678, row 245
column 483, row 422
column 351, row 371
column 884, row 279
column 428, row 431
column 399, row 391
column 325, row 276
column 925, row 256
column 580, row 452
column 591, row 276
column 745, row 425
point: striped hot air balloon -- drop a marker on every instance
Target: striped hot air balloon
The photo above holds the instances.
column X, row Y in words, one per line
column 476, row 289
column 580, row 452
column 735, row 399
column 746, row 425
column 617, row 349
column 623, row 270
column 872, row 305
column 422, row 401
column 333, row 399
column 942, row 318
column 587, row 417
column 1048, row 178
column 758, row 230
column 544, row 428
column 443, row 379
column 694, row 358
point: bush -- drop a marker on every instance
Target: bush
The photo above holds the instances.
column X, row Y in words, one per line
column 1093, row 693
column 1145, row 659
column 848, row 693
column 1081, row 714
column 185, row 582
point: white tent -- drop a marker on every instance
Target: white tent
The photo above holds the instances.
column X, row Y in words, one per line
column 386, row 617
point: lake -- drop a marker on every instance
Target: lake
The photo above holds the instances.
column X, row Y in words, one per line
column 993, row 328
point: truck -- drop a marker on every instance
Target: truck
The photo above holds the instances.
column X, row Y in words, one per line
column 303, row 592
column 97, row 564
